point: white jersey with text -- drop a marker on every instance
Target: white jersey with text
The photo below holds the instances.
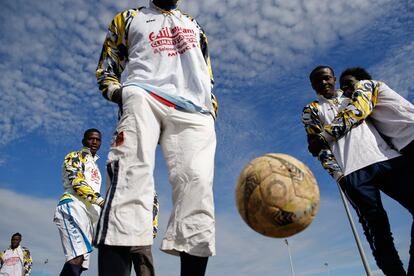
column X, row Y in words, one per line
column 360, row 147
column 162, row 52
column 16, row 262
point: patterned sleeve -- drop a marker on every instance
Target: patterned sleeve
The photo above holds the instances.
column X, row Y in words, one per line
column 310, row 119
column 74, row 166
column 114, row 53
column 155, row 212
column 330, row 164
column 27, row 262
column 360, row 107
column 313, row 126
column 1, row 258
column 206, row 55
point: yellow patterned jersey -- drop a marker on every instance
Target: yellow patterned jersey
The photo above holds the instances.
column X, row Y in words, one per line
column 81, row 176
column 360, row 107
column 313, row 124
column 392, row 114
column 359, row 148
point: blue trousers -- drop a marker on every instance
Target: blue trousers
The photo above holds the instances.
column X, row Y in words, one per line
column 362, row 188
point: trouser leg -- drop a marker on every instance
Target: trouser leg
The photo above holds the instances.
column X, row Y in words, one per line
column 410, row 270
column 114, row 260
column 409, row 149
column 365, row 198
column 192, row 265
column 71, row 270
column 188, row 142
column 142, row 260
column 75, row 230
column 126, row 219
column 398, row 185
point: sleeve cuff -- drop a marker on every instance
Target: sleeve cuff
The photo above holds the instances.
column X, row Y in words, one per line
column 110, row 91
column 338, row 176
column 99, row 201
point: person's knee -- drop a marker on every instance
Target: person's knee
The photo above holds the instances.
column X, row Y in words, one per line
column 70, row 269
column 76, row 261
column 142, row 260
column 376, row 215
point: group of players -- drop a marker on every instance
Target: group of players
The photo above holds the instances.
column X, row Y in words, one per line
column 362, row 134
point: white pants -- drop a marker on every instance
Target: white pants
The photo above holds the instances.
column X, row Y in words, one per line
column 76, row 230
column 188, row 142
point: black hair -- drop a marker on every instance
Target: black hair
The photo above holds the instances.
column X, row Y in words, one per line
column 90, row 130
column 357, row 72
column 317, row 68
column 17, row 234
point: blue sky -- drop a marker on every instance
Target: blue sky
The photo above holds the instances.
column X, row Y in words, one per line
column 262, row 53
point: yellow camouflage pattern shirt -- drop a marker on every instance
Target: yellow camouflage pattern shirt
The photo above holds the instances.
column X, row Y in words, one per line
column 362, row 103
column 81, row 176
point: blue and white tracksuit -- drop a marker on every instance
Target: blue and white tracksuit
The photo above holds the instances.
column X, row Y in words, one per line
column 77, row 213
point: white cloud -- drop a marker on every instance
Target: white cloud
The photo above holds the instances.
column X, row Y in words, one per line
column 48, row 80
column 396, row 69
column 247, row 38
column 32, row 217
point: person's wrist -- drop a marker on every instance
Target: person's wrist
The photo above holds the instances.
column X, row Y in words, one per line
column 113, row 94
column 116, row 96
column 338, row 176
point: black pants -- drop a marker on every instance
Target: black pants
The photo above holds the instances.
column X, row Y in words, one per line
column 117, row 260
column 192, row 265
column 409, row 152
column 362, row 187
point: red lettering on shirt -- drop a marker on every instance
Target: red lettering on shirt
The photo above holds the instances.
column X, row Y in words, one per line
column 174, row 41
column 95, row 175
column 11, row 261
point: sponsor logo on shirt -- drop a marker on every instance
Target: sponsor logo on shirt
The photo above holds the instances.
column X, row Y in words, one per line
column 11, row 261
column 173, row 40
column 95, row 176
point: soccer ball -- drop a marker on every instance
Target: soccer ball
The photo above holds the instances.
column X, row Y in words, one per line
column 277, row 195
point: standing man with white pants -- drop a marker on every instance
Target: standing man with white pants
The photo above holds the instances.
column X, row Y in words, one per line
column 166, row 98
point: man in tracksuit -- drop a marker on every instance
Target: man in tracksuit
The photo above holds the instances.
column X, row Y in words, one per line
column 165, row 98
column 363, row 164
column 78, row 209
